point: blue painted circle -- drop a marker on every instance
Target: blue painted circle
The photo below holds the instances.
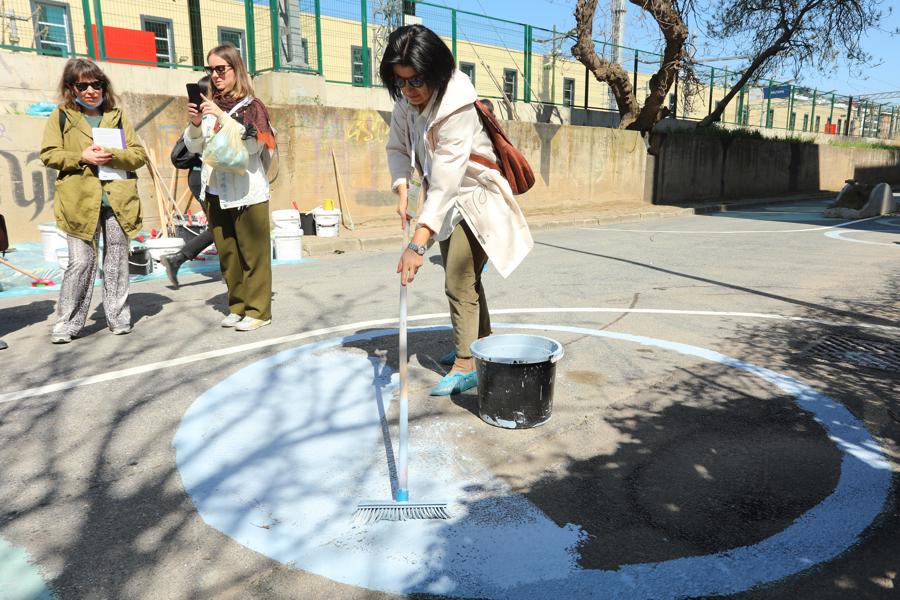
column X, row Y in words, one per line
column 278, row 454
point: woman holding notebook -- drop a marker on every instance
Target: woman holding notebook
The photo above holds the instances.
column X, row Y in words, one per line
column 96, row 191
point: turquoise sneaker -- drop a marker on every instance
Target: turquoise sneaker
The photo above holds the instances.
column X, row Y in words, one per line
column 455, row 383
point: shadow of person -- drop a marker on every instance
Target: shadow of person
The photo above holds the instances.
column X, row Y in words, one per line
column 20, row 317
column 143, row 305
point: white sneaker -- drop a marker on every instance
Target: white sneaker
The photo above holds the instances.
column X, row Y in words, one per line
column 249, row 324
column 231, row 320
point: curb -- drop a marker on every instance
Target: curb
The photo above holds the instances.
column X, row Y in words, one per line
column 315, row 246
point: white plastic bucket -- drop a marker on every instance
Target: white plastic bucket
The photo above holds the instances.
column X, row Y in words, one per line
column 288, row 243
column 286, row 219
column 328, row 222
column 62, row 257
column 160, row 246
column 51, row 239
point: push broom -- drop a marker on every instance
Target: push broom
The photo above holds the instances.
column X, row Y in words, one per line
column 400, row 508
column 38, row 281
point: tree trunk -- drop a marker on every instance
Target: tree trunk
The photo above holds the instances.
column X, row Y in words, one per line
column 674, row 32
column 614, row 75
column 760, row 59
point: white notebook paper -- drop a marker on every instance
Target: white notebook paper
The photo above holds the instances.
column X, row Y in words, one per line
column 108, row 137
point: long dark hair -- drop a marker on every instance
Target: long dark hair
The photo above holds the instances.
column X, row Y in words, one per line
column 418, row 47
column 75, row 69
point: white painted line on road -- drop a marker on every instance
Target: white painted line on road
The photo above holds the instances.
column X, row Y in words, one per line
column 733, row 231
column 282, row 474
column 839, row 235
column 262, row 344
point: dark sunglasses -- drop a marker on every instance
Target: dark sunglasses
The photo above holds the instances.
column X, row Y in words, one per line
column 83, row 85
column 414, row 82
column 219, row 69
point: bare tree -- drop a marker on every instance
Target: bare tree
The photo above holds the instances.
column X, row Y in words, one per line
column 782, row 34
column 668, row 14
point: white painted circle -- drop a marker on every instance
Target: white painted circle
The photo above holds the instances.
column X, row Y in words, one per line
column 277, row 456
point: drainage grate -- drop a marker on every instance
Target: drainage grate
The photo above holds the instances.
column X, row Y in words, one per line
column 863, row 352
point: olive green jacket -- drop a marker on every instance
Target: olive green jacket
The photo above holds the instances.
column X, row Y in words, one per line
column 76, row 203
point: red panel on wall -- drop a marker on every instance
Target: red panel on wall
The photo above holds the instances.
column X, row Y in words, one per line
column 128, row 45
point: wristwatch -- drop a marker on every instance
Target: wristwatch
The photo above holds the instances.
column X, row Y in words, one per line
column 420, row 250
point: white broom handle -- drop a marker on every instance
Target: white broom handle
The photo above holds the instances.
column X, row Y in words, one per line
column 403, row 460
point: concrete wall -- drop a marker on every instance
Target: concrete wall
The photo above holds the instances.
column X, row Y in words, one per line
column 577, row 168
column 692, row 168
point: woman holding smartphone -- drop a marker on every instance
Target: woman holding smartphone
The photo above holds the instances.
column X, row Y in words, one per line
column 238, row 207
column 84, row 204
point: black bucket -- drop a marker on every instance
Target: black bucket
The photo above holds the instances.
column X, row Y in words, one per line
column 308, row 223
column 139, row 261
column 516, row 375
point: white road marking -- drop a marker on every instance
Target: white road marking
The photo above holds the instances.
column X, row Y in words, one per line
column 262, row 344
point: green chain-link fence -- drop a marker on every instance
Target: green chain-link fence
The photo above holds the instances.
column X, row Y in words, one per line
column 342, row 40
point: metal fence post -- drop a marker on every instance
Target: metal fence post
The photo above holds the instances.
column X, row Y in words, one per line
column 635, row 72
column 276, row 36
column 712, row 82
column 812, row 118
column 101, row 43
column 891, row 126
column 790, row 121
column 527, row 65
column 364, row 14
column 88, row 32
column 319, row 38
column 865, row 116
column 453, row 31
column 769, row 121
column 251, row 36
column 831, row 111
column 849, row 115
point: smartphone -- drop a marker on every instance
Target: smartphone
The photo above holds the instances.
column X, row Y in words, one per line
column 193, row 92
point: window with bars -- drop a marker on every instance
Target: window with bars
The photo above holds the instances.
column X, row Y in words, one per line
column 568, row 91
column 510, row 83
column 235, row 37
column 357, row 66
column 469, row 70
column 793, row 121
column 817, row 129
column 52, row 28
column 770, row 118
column 162, row 32
column 805, row 122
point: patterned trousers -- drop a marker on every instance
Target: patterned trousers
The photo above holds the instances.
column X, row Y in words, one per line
column 78, row 279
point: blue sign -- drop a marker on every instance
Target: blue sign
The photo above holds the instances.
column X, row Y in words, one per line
column 777, row 91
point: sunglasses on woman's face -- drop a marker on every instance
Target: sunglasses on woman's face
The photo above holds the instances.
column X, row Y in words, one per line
column 414, row 82
column 218, row 69
column 83, row 85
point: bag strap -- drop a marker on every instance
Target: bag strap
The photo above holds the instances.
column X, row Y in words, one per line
column 477, row 158
column 62, row 120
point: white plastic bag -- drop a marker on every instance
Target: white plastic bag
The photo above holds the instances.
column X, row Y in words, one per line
column 226, row 151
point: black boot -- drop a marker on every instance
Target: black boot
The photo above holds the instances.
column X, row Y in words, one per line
column 172, row 262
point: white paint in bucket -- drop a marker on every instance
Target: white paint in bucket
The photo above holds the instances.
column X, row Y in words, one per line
column 288, row 243
column 328, row 222
column 160, row 246
column 51, row 239
column 517, row 349
column 286, row 219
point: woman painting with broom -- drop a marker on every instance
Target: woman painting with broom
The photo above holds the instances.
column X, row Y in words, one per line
column 239, row 201
column 436, row 130
column 86, row 205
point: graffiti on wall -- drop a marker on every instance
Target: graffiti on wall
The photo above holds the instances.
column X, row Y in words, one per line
column 21, row 168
